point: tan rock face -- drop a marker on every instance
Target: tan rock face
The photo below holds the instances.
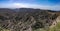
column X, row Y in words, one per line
column 57, row 20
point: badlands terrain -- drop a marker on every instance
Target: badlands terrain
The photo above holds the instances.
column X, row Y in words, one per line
column 28, row 19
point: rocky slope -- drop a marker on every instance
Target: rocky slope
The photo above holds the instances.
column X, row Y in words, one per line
column 27, row 19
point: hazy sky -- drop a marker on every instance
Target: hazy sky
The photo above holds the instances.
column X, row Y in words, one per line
column 42, row 4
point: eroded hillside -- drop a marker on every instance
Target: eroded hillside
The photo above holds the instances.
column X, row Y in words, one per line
column 27, row 19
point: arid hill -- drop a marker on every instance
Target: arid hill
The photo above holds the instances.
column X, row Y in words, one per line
column 26, row 19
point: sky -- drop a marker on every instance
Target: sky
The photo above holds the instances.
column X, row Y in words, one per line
column 41, row 4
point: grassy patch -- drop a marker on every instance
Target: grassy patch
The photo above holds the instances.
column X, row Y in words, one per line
column 56, row 28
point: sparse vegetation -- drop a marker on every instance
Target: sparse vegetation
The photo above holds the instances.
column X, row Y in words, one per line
column 56, row 28
column 26, row 20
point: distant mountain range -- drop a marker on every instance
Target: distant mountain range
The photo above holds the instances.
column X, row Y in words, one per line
column 24, row 10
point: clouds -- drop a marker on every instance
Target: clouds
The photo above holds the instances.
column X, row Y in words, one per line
column 41, row 4
column 13, row 5
column 26, row 5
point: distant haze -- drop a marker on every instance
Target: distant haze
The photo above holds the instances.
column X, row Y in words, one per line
column 40, row 4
